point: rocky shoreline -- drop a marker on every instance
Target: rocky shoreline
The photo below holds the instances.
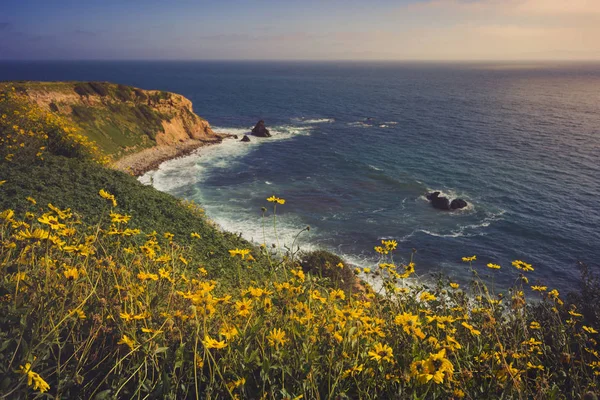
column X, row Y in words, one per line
column 149, row 159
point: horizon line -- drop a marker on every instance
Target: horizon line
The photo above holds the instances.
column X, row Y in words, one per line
column 431, row 61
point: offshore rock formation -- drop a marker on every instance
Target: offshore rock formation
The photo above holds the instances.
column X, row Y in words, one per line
column 443, row 203
column 260, row 130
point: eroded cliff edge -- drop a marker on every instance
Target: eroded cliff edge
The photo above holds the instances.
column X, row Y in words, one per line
column 137, row 128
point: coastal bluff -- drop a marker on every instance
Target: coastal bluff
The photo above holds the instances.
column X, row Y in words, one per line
column 137, row 128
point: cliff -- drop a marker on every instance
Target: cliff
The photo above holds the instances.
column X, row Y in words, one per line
column 137, row 128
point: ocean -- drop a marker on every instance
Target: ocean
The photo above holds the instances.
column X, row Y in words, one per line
column 357, row 146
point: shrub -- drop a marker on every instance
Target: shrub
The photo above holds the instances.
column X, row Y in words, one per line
column 328, row 265
column 124, row 93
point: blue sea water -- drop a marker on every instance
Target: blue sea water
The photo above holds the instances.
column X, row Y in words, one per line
column 356, row 146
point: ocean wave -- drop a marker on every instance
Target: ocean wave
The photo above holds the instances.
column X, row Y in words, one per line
column 469, row 230
column 314, row 120
column 193, row 168
column 359, row 124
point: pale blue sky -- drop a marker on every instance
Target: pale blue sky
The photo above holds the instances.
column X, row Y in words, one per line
column 306, row 30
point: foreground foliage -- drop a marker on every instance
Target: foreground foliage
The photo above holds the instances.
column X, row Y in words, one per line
column 88, row 310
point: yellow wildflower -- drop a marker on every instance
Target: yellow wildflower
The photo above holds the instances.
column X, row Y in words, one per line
column 493, row 266
column 243, row 307
column 211, row 343
column 276, row 338
column 127, row 341
column 105, row 195
column 381, row 352
column 277, row 200
column 34, row 379
column 469, row 259
column 71, row 273
column 51, row 221
column 471, row 329
column 589, row 329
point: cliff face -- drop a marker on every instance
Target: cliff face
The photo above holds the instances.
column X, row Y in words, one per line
column 121, row 119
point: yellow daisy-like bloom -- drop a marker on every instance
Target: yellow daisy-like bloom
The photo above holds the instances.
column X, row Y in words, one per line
column 241, row 252
column 118, row 218
column 454, row 285
column 127, row 341
column 229, row 332
column 471, row 329
column 195, row 235
column 522, row 265
column 589, row 329
column 211, row 343
column 277, row 200
column 418, row 371
column 71, row 273
column 575, row 314
column 105, row 195
column 535, row 325
column 276, row 338
column 439, row 367
column 539, row 288
column 34, row 379
column 493, row 266
column 390, row 244
column 337, row 294
column 410, row 324
column 51, row 221
column 31, row 200
column 381, row 352
column 426, row 296
column 469, row 259
column 243, row 307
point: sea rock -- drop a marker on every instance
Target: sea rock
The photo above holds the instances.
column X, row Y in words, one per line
column 443, row 203
column 458, row 204
column 432, row 194
column 245, row 139
column 440, row 202
column 260, row 130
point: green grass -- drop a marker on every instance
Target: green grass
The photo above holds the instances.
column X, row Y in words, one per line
column 120, row 119
column 73, row 183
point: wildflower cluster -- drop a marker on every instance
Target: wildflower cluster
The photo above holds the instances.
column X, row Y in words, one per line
column 140, row 317
column 27, row 132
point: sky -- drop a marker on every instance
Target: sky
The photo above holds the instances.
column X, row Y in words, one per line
column 426, row 30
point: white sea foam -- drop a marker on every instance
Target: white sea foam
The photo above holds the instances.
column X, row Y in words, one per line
column 192, row 168
column 375, row 168
column 314, row 120
column 359, row 124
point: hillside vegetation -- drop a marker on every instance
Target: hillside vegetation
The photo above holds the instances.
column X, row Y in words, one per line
column 119, row 119
column 113, row 290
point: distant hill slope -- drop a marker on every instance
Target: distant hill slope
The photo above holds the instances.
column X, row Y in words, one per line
column 120, row 119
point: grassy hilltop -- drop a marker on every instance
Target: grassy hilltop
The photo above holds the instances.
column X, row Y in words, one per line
column 110, row 289
column 119, row 119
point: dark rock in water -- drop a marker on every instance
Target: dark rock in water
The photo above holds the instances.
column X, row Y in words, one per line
column 260, row 130
column 457, row 204
column 443, row 203
column 431, row 195
column 245, row 139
